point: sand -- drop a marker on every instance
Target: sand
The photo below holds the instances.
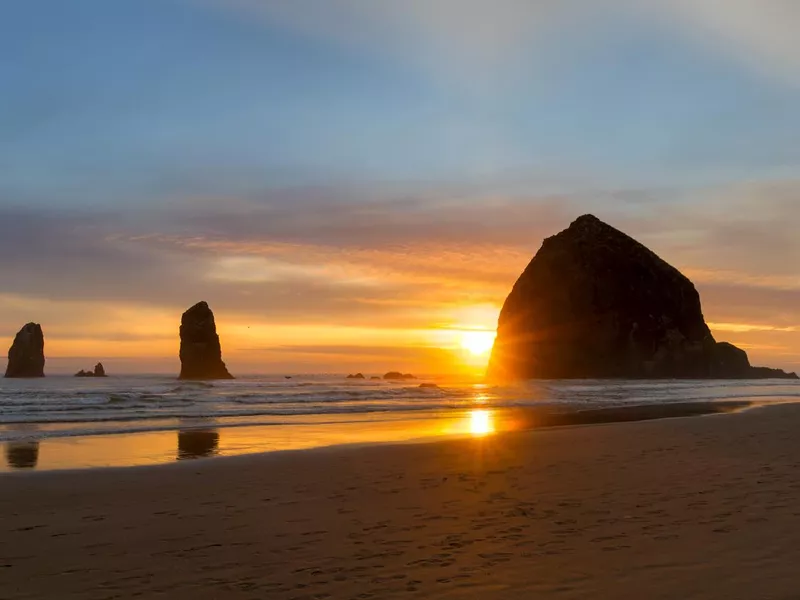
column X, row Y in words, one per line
column 703, row 507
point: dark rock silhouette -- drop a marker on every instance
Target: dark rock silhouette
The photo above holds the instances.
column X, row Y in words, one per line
column 356, row 376
column 397, row 375
column 374, row 377
column 99, row 371
column 197, row 443
column 769, row 373
column 729, row 361
column 200, row 353
column 22, row 455
column 26, row 355
column 595, row 303
column 431, row 386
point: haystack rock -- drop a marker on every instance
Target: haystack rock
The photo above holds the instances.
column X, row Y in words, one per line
column 26, row 355
column 201, row 355
column 595, row 303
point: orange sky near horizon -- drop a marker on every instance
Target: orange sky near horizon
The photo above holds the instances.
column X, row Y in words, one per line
column 387, row 286
column 427, row 323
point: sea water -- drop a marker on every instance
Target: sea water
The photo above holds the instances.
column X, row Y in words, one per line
column 308, row 410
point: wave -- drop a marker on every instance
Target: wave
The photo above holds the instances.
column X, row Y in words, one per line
column 121, row 403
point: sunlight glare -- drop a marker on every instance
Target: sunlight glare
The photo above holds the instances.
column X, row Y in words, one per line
column 481, row 423
column 478, row 343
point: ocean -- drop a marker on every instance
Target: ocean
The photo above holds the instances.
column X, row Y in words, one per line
column 304, row 411
column 69, row 406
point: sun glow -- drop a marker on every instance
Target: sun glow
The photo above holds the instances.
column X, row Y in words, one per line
column 477, row 343
column 480, row 422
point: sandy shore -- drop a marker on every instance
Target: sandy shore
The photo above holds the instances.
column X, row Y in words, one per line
column 704, row 507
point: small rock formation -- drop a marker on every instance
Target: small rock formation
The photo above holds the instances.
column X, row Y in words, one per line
column 595, row 303
column 200, row 353
column 397, row 375
column 374, row 377
column 768, row 373
column 99, row 371
column 26, row 355
column 356, row 376
column 430, row 386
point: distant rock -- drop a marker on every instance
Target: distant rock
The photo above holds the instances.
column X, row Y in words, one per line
column 595, row 303
column 200, row 353
column 431, row 386
column 26, row 355
column 374, row 377
column 99, row 371
column 396, row 375
column 356, row 376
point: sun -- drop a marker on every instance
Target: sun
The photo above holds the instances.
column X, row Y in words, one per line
column 477, row 343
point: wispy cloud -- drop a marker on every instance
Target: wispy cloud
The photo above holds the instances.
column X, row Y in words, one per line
column 485, row 38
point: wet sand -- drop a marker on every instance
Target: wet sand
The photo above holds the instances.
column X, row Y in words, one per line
column 212, row 439
column 704, row 507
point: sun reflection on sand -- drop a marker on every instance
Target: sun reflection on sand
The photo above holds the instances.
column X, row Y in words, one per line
column 481, row 422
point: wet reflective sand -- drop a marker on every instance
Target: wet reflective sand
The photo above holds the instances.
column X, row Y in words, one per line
column 206, row 440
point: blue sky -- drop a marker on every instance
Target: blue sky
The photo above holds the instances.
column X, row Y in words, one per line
column 145, row 100
column 373, row 127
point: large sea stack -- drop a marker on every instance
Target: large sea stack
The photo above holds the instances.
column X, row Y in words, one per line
column 201, row 355
column 26, row 355
column 595, row 303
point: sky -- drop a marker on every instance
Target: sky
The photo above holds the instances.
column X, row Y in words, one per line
column 354, row 185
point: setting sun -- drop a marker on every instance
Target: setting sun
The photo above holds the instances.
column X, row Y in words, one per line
column 478, row 343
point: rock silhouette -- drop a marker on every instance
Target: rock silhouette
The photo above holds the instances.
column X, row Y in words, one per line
column 197, row 443
column 595, row 303
column 99, row 371
column 22, row 455
column 200, row 353
column 26, row 355
column 397, row 375
column 356, row 376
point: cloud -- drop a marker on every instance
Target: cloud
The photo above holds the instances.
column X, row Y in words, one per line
column 480, row 39
column 759, row 33
column 335, row 261
column 473, row 37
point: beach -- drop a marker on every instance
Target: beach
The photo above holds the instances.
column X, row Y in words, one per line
column 701, row 507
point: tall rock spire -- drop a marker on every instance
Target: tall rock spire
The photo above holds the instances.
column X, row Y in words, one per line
column 26, row 355
column 201, row 354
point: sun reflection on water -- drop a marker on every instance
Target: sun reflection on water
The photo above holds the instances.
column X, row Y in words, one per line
column 480, row 422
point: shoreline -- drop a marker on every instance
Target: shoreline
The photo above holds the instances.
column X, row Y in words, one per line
column 665, row 508
column 206, row 441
